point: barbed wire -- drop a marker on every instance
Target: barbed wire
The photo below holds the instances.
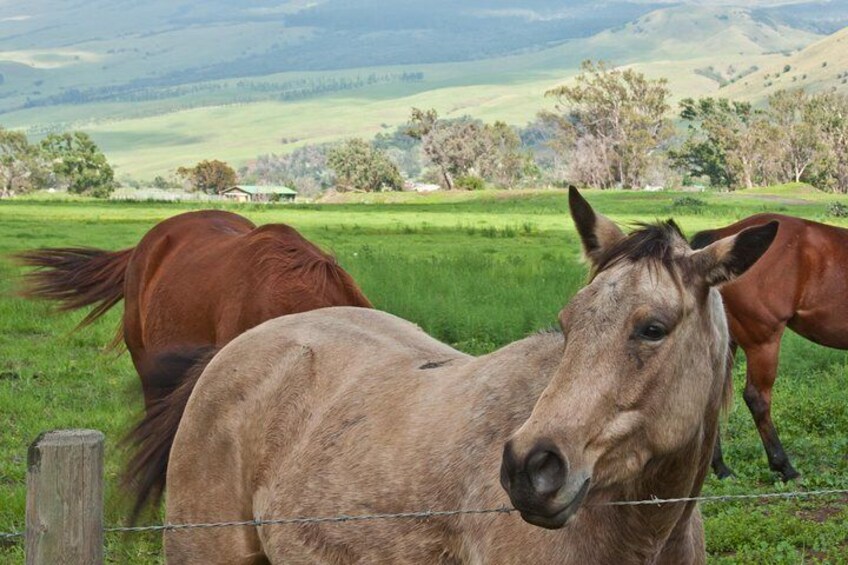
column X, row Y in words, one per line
column 424, row 514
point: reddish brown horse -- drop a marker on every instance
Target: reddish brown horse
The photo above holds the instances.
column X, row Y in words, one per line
column 799, row 283
column 193, row 283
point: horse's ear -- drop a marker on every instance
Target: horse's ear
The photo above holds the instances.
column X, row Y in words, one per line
column 727, row 258
column 597, row 232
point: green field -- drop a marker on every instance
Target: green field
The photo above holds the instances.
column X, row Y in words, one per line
column 477, row 270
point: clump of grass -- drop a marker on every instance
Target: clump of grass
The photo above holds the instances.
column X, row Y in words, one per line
column 506, row 231
column 836, row 210
column 689, row 204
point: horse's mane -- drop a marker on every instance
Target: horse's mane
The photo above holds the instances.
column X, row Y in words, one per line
column 655, row 242
column 280, row 253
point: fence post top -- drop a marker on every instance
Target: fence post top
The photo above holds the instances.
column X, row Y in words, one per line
column 61, row 438
column 68, row 437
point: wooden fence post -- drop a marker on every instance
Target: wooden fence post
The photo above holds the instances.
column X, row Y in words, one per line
column 64, row 500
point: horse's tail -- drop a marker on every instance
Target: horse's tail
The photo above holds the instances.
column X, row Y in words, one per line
column 152, row 437
column 703, row 238
column 76, row 277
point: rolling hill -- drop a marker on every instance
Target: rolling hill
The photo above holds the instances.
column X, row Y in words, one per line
column 149, row 125
column 820, row 66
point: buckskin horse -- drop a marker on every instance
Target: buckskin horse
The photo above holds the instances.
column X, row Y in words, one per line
column 800, row 284
column 352, row 411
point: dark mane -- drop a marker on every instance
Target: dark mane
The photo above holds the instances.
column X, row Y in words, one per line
column 654, row 242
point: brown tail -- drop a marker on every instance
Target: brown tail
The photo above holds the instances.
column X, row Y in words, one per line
column 151, row 439
column 77, row 277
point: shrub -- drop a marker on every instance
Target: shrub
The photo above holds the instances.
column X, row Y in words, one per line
column 688, row 202
column 469, row 182
column 836, row 210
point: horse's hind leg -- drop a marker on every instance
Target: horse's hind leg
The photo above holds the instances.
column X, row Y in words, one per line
column 762, row 371
column 721, row 470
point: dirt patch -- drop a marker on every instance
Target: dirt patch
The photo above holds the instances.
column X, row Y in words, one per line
column 824, row 513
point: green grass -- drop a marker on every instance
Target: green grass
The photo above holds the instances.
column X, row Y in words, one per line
column 475, row 270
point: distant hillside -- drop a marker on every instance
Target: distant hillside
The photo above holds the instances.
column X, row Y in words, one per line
column 689, row 32
column 150, row 126
column 54, row 51
column 822, row 65
column 821, row 16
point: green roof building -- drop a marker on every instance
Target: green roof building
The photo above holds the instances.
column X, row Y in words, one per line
column 257, row 193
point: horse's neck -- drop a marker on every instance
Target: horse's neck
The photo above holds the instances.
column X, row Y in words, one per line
column 607, row 534
column 660, row 533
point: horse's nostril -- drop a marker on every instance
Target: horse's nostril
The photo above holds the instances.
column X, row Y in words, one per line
column 546, row 471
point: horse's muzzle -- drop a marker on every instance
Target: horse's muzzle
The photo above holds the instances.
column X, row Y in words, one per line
column 539, row 487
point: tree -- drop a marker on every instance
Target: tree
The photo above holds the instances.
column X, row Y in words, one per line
column 22, row 166
column 796, row 135
column 454, row 148
column 161, row 182
column 403, row 150
column 828, row 112
column 620, row 114
column 210, row 177
column 465, row 147
column 358, row 166
column 502, row 162
column 79, row 164
column 728, row 141
column 421, row 122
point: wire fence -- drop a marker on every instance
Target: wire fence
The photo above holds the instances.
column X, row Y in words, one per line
column 425, row 514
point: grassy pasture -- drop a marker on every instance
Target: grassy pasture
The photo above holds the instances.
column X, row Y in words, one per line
column 475, row 270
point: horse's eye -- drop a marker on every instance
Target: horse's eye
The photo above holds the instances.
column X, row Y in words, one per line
column 652, row 332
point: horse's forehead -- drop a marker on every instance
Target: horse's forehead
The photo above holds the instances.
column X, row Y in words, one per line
column 638, row 281
column 617, row 292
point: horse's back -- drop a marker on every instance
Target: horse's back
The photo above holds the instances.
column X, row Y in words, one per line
column 347, row 336
column 191, row 224
column 798, row 282
column 185, row 238
column 315, row 353
column 275, row 395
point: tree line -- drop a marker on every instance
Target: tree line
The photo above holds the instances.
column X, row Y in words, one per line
column 239, row 92
column 458, row 153
column 795, row 137
column 609, row 128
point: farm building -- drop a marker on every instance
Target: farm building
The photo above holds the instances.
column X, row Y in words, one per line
column 254, row 193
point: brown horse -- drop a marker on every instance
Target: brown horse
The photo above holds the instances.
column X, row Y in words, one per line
column 193, row 283
column 352, row 411
column 800, row 284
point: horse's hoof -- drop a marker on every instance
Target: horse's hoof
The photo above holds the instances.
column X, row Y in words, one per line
column 789, row 475
column 723, row 472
